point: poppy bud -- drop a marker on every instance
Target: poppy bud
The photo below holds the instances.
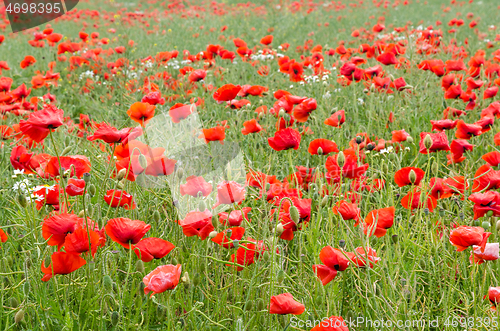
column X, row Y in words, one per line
column 174, row 261
column 476, row 222
column 92, row 190
column 120, row 185
column 67, row 140
column 139, row 266
column 105, row 308
column 179, row 173
column 485, row 225
column 236, row 243
column 18, row 318
column 341, row 159
column 266, row 256
column 185, row 279
column 121, row 174
column 97, row 211
column 66, row 150
column 259, row 304
column 212, row 234
column 140, row 180
column 325, row 200
column 156, row 216
column 143, row 161
column 281, row 112
column 13, row 302
column 294, row 214
column 107, row 282
column 26, row 288
column 320, row 151
column 498, row 225
column 412, row 176
column 114, row 286
column 489, row 213
column 395, row 238
column 86, row 177
column 22, row 200
column 341, row 243
column 115, row 318
column 196, row 279
column 441, row 212
column 281, row 276
column 428, row 142
column 202, row 205
column 279, row 229
column 202, row 267
column 81, row 213
column 409, row 140
column 248, row 305
column 435, row 168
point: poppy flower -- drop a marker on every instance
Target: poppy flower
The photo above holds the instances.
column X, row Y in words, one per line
column 226, row 237
column 20, row 159
column 229, row 192
column 41, row 122
column 111, row 135
column 439, row 142
column 445, row 124
column 125, row 231
column 466, row 236
column 217, row 133
column 284, row 304
column 27, row 61
column 267, row 40
column 57, row 227
column 235, row 217
column 402, row 176
column 197, row 223
column 196, row 186
column 153, row 98
column 77, row 164
column 259, row 179
column 47, row 195
column 336, row 119
column 439, row 189
column 159, row 165
column 63, row 263
column 415, row 200
column 467, row 131
column 493, row 158
column 227, row 92
column 119, row 198
column 485, row 177
column 333, row 260
column 141, row 112
column 161, row 279
column 197, row 75
column 485, row 202
column 251, row 126
column 285, row 139
column 181, row 111
column 75, row 187
column 494, row 296
column 296, row 70
column 152, row 248
column 348, row 210
column 361, row 257
column 491, row 253
column 3, row 236
column 322, row 147
column 458, row 147
column 333, row 323
column 490, row 92
column 303, row 110
column 78, row 241
column 378, row 221
column 351, row 168
column 387, row 58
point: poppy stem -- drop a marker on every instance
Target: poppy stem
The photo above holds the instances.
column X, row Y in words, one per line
column 61, row 175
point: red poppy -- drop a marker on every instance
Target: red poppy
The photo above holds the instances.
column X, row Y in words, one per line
column 467, row 131
column 27, row 61
column 267, row 40
column 141, row 112
column 466, row 236
column 348, row 210
column 227, row 92
column 285, row 304
column 77, row 164
column 491, row 253
column 351, row 168
column 336, row 119
column 327, row 147
column 180, row 111
column 259, row 179
column 485, row 202
column 333, row 323
column 402, row 176
column 296, row 70
column 417, row 200
column 333, row 260
column 251, row 126
column 163, row 278
column 75, row 187
column 62, row 264
column 494, row 296
column 196, row 186
column 41, row 122
column 378, row 221
column 57, row 227
column 226, row 237
column 125, row 231
column 47, row 195
column 20, row 159
column 229, row 192
column 197, row 75
column 197, row 223
column 152, row 248
column 303, row 110
column 78, row 241
column 493, row 158
column 445, row 124
column 159, row 165
column 111, row 135
column 235, row 217
column 486, row 177
column 439, row 142
column 362, row 257
column 118, row 198
column 217, row 133
column 285, row 139
column 458, row 147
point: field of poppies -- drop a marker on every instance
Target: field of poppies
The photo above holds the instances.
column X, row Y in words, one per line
column 268, row 165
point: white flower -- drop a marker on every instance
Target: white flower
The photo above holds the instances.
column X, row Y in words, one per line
column 22, row 185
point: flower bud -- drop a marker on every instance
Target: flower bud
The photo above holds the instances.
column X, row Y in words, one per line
column 22, row 200
column 196, row 279
column 395, row 238
column 294, row 214
column 212, row 234
column 139, row 266
column 325, row 200
column 248, row 305
column 279, row 229
column 86, row 178
column 91, row 190
column 409, row 140
column 489, row 213
column 107, row 282
column 26, row 288
column 428, row 142
column 485, row 225
column 320, row 151
column 13, row 302
column 341, row 159
column 143, row 161
column 435, row 168
column 281, row 276
column 156, row 216
column 412, row 176
column 115, row 318
column 281, row 112
column 18, row 318
column 202, row 206
column 66, row 150
column 121, row 174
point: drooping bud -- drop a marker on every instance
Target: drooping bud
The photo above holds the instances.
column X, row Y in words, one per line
column 325, row 200
column 341, row 159
column 66, row 150
column 248, row 305
column 26, row 288
column 143, row 161
column 294, row 214
column 281, row 112
column 121, row 174
column 409, row 140
column 435, row 168
column 13, row 302
column 260, row 304
column 428, row 142
column 196, row 279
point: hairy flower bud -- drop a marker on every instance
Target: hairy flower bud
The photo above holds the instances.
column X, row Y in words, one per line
column 341, row 159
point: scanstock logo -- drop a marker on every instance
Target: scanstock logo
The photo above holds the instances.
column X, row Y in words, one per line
column 26, row 14
column 182, row 154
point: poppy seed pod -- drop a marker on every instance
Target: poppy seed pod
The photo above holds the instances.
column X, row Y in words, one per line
column 18, row 318
column 485, row 225
column 341, row 243
column 294, row 214
column 409, row 140
column 412, row 176
column 359, row 140
column 121, row 174
column 428, row 142
column 489, row 213
column 26, row 288
column 341, row 159
column 86, row 177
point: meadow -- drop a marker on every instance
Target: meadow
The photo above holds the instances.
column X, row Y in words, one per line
column 264, row 165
